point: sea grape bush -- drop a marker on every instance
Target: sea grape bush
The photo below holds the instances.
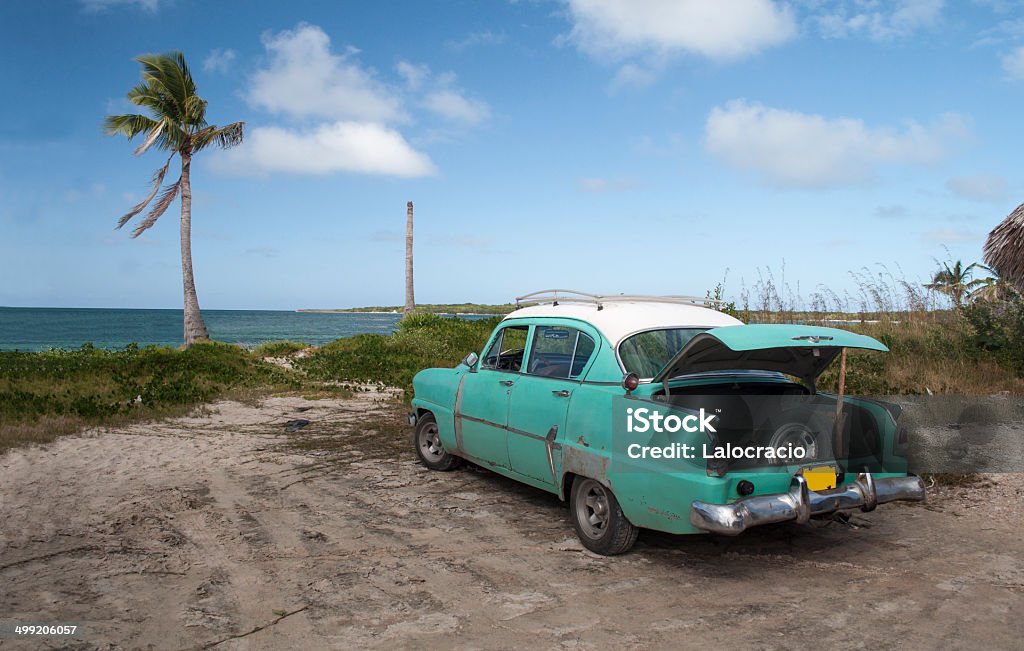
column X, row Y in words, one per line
column 421, row 341
column 93, row 384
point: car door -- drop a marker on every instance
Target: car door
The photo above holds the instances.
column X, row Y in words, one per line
column 484, row 402
column 558, row 358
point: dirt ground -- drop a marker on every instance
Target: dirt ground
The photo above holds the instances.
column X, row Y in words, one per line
column 218, row 531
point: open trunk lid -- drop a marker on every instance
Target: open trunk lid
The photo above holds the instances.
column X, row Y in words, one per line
column 798, row 350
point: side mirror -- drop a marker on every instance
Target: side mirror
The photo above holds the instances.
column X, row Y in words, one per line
column 470, row 360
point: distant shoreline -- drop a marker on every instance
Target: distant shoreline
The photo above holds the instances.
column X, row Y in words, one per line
column 347, row 311
column 358, row 311
column 456, row 309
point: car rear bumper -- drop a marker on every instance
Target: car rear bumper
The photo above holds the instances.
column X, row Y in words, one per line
column 801, row 504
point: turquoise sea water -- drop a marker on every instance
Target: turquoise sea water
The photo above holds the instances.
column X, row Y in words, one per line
column 29, row 328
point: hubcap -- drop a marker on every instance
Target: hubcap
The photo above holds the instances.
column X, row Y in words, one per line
column 430, row 442
column 592, row 509
column 798, row 436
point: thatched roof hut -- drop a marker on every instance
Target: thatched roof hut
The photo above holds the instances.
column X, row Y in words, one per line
column 1004, row 248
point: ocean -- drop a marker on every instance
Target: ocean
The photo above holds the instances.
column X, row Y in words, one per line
column 33, row 329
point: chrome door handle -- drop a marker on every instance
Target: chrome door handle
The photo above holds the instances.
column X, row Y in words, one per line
column 507, row 383
column 561, row 394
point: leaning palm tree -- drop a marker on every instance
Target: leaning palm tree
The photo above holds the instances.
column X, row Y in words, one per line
column 177, row 124
column 955, row 281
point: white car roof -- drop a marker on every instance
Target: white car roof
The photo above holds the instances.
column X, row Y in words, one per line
column 617, row 320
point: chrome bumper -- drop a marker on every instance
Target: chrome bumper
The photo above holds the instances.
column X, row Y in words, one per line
column 801, row 504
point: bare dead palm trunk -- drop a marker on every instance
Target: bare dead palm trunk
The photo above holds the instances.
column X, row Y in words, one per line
column 195, row 329
column 410, row 297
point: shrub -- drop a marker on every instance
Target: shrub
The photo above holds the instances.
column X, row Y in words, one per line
column 421, row 341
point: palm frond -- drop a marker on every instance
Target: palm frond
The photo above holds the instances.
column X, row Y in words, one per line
column 165, row 78
column 195, row 111
column 160, row 106
column 224, row 137
column 158, row 178
column 128, row 125
column 150, row 139
column 159, row 208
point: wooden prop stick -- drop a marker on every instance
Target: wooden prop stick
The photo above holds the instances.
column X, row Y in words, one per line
column 840, row 418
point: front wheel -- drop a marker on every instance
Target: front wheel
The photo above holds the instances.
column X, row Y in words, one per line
column 428, row 445
column 598, row 519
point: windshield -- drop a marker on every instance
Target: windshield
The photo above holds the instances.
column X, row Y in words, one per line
column 646, row 353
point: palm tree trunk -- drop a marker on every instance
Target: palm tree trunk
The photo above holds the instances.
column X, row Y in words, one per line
column 195, row 329
column 410, row 297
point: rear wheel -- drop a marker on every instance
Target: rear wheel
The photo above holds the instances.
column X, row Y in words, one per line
column 429, row 449
column 598, row 519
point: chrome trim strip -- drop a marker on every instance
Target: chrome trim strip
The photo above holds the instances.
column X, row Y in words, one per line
column 626, row 336
column 457, row 413
column 504, row 427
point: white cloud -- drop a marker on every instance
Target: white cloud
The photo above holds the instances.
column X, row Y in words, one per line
column 305, row 79
column 979, row 187
column 797, row 149
column 631, row 75
column 451, row 105
column 1006, row 31
column 96, row 6
column 441, row 96
column 880, row 20
column 340, row 115
column 336, row 147
column 219, row 61
column 486, row 37
column 1013, row 63
column 413, row 74
column 717, row 30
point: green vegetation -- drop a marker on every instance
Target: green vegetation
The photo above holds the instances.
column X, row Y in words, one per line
column 422, row 341
column 279, row 348
column 432, row 308
column 43, row 395
column 927, row 355
column 974, row 349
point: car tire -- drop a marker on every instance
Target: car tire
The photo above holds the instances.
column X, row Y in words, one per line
column 431, row 452
column 598, row 519
column 809, row 428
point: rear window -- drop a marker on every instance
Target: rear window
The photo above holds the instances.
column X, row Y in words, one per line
column 646, row 353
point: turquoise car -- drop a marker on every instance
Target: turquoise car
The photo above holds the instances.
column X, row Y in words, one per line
column 662, row 413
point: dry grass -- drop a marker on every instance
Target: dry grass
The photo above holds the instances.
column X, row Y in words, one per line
column 933, row 347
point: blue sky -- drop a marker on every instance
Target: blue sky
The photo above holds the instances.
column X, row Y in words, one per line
column 605, row 145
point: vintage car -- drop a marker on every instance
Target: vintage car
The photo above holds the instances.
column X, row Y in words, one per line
column 569, row 392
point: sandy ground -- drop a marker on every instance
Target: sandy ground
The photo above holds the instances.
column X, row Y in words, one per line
column 205, row 532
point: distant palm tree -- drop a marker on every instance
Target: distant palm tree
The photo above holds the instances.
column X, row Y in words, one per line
column 994, row 288
column 177, row 123
column 955, row 281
